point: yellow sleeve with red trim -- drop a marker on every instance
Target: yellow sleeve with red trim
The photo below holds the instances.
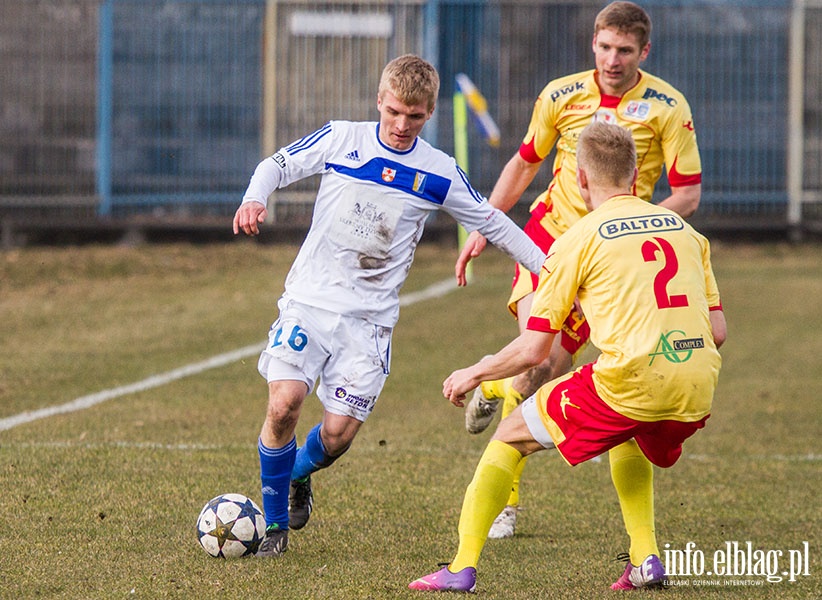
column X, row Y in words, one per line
column 559, row 281
column 543, row 129
column 662, row 109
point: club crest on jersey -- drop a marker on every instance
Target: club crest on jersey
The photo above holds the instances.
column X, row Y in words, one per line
column 638, row 110
column 388, row 174
column 605, row 116
column 419, row 182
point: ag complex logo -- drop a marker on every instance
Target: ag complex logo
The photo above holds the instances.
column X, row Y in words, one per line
column 675, row 347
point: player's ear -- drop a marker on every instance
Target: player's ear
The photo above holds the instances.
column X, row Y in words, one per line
column 643, row 54
column 582, row 178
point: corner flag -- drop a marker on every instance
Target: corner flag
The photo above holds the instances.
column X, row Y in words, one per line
column 479, row 109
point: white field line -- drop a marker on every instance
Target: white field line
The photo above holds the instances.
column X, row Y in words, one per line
column 436, row 290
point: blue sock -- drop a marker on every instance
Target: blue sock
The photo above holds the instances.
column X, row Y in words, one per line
column 312, row 456
column 275, row 476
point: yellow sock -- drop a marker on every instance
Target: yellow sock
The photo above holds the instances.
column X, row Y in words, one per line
column 484, row 499
column 633, row 477
column 495, row 388
column 513, row 497
column 512, row 399
column 501, row 388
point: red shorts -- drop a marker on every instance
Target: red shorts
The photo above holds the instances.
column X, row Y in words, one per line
column 575, row 331
column 583, row 426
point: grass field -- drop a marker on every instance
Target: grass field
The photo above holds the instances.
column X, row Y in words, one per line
column 102, row 502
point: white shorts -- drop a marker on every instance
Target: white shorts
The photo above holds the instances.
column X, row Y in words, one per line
column 350, row 356
column 530, row 414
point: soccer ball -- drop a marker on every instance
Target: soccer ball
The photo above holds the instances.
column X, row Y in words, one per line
column 230, row 526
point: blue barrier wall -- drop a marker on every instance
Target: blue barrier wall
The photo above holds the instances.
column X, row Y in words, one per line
column 180, row 103
column 734, row 74
column 164, row 107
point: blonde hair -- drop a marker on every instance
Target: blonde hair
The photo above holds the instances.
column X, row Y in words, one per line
column 412, row 80
column 625, row 17
column 607, row 154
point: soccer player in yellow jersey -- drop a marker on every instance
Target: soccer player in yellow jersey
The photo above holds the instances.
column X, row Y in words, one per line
column 644, row 279
column 615, row 91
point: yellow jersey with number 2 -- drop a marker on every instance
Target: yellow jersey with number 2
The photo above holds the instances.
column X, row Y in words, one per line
column 645, row 282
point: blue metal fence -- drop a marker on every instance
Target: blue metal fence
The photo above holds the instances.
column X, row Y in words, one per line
column 733, row 72
column 179, row 103
column 165, row 106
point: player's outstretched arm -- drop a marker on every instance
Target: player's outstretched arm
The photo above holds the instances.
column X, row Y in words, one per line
column 524, row 352
column 248, row 218
column 473, row 247
column 516, row 176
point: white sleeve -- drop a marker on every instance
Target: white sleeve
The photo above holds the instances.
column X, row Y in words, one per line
column 267, row 177
column 473, row 212
column 296, row 161
column 508, row 237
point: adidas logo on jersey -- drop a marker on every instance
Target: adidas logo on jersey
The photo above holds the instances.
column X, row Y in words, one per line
column 353, row 155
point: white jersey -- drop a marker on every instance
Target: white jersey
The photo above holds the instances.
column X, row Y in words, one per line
column 369, row 215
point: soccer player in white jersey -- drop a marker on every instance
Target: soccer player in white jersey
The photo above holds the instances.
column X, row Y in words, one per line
column 644, row 279
column 380, row 182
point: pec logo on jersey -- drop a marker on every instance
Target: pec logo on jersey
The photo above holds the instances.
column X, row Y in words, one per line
column 388, row 174
column 605, row 116
column 637, row 110
column 652, row 94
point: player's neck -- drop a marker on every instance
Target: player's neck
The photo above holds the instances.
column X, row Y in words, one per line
column 602, row 195
column 616, row 92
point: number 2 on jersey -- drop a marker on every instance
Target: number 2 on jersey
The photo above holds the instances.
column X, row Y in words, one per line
column 670, row 266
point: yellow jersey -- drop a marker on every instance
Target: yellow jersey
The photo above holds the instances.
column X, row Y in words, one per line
column 657, row 115
column 645, row 282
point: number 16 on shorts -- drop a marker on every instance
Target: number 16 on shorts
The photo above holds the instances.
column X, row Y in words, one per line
column 293, row 336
